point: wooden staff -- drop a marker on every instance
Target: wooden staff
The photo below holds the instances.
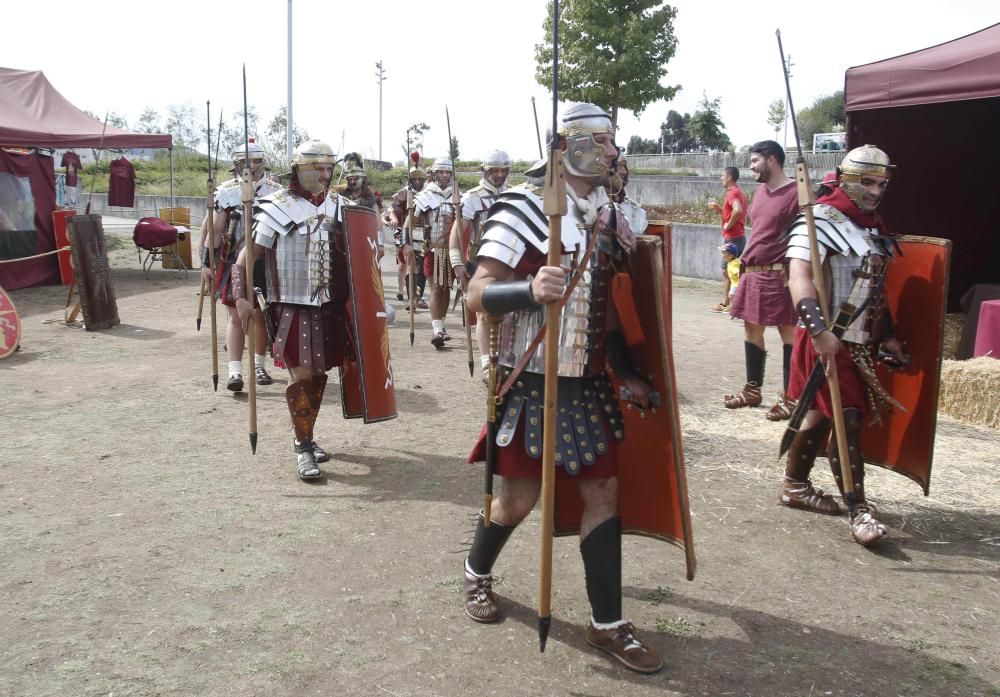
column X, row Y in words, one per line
column 806, row 200
column 248, row 245
column 554, row 206
column 201, row 303
column 210, row 242
column 412, row 261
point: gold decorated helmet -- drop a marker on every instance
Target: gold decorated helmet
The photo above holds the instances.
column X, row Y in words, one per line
column 865, row 161
column 314, row 152
column 304, row 161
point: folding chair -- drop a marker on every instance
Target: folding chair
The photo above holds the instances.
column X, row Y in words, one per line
column 158, row 238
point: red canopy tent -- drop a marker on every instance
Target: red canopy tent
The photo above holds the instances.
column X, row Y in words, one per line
column 35, row 115
column 936, row 112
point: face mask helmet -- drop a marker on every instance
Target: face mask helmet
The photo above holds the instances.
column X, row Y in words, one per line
column 584, row 156
column 860, row 162
column 304, row 161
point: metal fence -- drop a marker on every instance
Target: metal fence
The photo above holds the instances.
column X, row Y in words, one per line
column 709, row 163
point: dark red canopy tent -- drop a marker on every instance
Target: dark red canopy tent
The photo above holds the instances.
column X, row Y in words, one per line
column 937, row 112
column 34, row 115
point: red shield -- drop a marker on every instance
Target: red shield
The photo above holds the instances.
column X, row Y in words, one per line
column 366, row 380
column 652, row 480
column 93, row 273
column 916, row 288
column 10, row 325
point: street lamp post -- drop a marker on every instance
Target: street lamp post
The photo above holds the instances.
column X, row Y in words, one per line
column 381, row 78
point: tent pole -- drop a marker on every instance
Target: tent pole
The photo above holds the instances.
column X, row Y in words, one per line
column 171, row 151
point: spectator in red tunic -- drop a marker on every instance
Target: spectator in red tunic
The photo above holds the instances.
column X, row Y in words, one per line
column 734, row 213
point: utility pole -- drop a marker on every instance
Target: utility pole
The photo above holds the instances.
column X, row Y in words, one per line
column 788, row 72
column 289, row 144
column 381, row 78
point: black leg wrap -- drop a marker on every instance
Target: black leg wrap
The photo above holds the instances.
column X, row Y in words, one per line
column 852, row 424
column 602, row 564
column 487, row 544
column 786, row 364
column 755, row 357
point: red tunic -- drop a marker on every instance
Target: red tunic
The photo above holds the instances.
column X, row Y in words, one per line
column 804, row 356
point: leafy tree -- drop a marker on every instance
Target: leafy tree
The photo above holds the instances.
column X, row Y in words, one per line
column 612, row 53
column 675, row 134
column 453, row 151
column 776, row 115
column 827, row 114
column 415, row 138
column 706, row 126
column 183, row 125
column 638, row 145
column 149, row 121
column 275, row 140
column 232, row 132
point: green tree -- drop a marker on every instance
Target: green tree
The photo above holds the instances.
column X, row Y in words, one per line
column 638, row 145
column 453, row 151
column 827, row 114
column 776, row 115
column 184, row 126
column 275, row 140
column 612, row 53
column 706, row 126
column 675, row 134
column 149, row 121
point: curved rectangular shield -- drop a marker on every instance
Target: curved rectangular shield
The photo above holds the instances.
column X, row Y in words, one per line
column 366, row 380
column 652, row 480
column 916, row 289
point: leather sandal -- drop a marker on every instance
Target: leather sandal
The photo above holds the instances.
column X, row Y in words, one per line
column 480, row 605
column 782, row 409
column 805, row 496
column 749, row 397
column 719, row 308
column 866, row 529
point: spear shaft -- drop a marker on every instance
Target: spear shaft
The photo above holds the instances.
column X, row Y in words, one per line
column 210, row 241
column 248, row 245
column 806, row 201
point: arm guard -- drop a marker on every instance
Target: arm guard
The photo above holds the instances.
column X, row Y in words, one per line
column 811, row 316
column 501, row 297
column 618, row 355
column 239, row 280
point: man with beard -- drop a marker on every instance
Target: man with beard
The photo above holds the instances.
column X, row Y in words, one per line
column 853, row 253
column 227, row 238
column 464, row 241
column 433, row 211
column 407, row 256
column 762, row 298
column 512, row 283
column 294, row 232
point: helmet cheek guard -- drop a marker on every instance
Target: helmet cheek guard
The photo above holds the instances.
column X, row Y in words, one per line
column 584, row 158
column 866, row 160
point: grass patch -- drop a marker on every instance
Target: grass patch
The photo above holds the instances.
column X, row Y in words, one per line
column 678, row 627
column 657, row 596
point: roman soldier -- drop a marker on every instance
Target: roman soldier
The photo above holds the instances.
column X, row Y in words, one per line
column 302, row 234
column 464, row 242
column 228, row 242
column 632, row 211
column 512, row 283
column 358, row 189
column 855, row 254
column 409, row 253
column 434, row 215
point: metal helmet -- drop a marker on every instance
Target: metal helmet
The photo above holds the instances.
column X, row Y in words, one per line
column 304, row 161
column 496, row 168
column 441, row 166
column 860, row 162
column 416, row 178
column 354, row 167
column 584, row 156
column 257, row 159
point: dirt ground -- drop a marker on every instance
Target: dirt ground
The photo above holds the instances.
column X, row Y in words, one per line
column 147, row 552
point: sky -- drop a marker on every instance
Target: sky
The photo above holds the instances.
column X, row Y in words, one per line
column 473, row 56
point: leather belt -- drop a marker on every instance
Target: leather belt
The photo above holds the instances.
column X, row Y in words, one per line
column 755, row 268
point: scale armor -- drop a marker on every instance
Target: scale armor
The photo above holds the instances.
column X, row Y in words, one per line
column 229, row 197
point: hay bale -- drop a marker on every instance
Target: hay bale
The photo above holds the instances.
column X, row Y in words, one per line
column 969, row 391
column 954, row 323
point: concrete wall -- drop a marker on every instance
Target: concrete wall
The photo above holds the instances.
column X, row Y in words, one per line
column 146, row 206
column 695, row 251
column 669, row 191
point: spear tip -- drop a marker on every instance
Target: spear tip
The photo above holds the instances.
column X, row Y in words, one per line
column 197, row 324
column 472, row 373
column 253, row 442
column 215, row 382
column 544, row 623
column 411, row 338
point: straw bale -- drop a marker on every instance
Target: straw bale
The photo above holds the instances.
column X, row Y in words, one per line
column 953, row 324
column 970, row 391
